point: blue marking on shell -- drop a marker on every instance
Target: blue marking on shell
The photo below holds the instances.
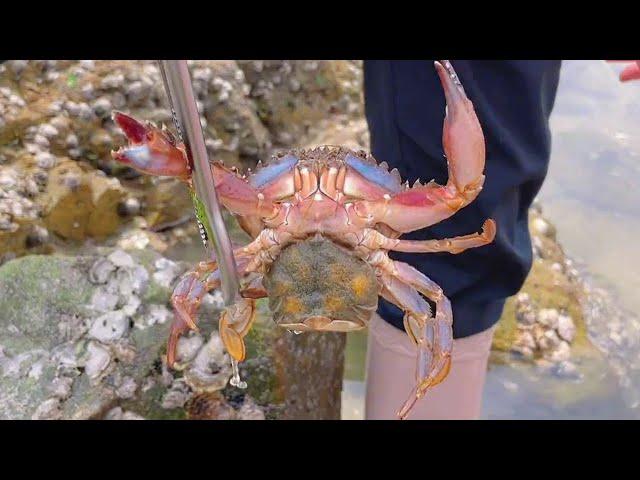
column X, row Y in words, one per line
column 139, row 155
column 373, row 173
column 270, row 172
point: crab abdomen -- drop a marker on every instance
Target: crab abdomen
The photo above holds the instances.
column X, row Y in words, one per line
column 318, row 285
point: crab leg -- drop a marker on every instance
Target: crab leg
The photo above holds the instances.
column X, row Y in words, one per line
column 433, row 336
column 187, row 297
column 374, row 240
column 463, row 141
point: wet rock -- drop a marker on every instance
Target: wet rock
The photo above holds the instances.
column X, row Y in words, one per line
column 210, row 406
column 67, row 360
column 561, row 352
column 117, row 413
column 97, row 361
column 109, row 327
column 76, row 343
column 566, row 328
column 548, row 317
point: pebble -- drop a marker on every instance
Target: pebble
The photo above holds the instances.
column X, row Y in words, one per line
column 101, row 270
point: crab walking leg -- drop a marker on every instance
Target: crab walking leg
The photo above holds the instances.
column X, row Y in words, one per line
column 374, row 240
column 463, row 141
column 433, row 336
column 188, row 294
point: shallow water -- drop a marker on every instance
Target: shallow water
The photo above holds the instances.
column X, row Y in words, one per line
column 592, row 196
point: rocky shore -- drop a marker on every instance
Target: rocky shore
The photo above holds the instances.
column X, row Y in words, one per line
column 90, row 250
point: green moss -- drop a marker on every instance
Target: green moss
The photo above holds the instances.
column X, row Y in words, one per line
column 148, row 404
column 547, row 288
column 505, row 333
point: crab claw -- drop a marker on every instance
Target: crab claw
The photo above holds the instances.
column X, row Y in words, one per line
column 151, row 150
column 424, row 205
column 462, row 136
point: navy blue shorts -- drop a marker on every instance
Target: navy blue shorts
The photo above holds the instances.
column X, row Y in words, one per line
column 513, row 99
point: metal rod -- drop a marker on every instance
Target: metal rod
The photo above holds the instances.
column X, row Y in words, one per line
column 177, row 80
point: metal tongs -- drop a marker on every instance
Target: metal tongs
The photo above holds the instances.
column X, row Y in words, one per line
column 177, row 82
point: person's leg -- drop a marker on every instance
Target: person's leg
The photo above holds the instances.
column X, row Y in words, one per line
column 391, row 361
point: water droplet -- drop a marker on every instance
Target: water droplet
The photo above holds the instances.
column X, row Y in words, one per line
column 236, row 381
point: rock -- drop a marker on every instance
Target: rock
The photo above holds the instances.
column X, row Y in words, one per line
column 561, row 353
column 294, row 96
column 57, row 364
column 250, row 410
column 69, row 350
column 117, row 413
column 548, row 317
column 210, row 406
column 566, row 328
column 188, row 347
column 568, row 370
column 97, row 361
column 541, row 226
column 80, row 203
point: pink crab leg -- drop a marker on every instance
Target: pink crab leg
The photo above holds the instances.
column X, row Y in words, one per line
column 433, row 336
column 463, row 141
column 186, row 299
column 374, row 240
column 155, row 151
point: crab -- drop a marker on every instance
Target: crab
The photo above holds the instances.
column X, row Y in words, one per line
column 323, row 221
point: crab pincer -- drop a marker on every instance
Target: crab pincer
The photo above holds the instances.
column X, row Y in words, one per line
column 151, row 149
